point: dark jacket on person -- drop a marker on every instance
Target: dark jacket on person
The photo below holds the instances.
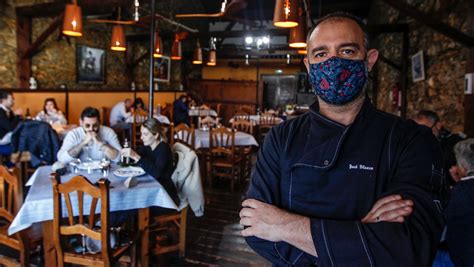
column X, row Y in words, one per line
column 159, row 164
column 460, row 223
column 334, row 174
column 38, row 138
column 8, row 121
column 180, row 112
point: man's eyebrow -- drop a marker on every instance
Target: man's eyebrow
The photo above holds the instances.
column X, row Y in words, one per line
column 355, row 45
column 319, row 48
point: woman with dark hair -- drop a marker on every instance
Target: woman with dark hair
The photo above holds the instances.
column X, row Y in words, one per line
column 139, row 106
column 155, row 156
column 51, row 113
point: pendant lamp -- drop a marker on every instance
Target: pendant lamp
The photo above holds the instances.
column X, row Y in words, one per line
column 197, row 56
column 72, row 22
column 286, row 13
column 117, row 42
column 302, row 51
column 212, row 59
column 158, row 46
column 298, row 34
column 176, row 49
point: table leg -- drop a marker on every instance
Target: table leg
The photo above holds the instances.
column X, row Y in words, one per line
column 143, row 223
column 48, row 244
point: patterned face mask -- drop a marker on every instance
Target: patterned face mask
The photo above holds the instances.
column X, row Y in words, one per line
column 338, row 81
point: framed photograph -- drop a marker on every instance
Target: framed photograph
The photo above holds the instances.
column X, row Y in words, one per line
column 417, row 67
column 90, row 64
column 161, row 69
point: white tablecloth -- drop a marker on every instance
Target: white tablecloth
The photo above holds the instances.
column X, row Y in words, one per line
column 160, row 118
column 202, row 112
column 38, row 205
column 255, row 119
column 241, row 139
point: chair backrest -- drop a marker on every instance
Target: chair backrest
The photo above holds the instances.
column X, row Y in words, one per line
column 240, row 115
column 106, row 116
column 267, row 120
column 243, row 126
column 208, row 121
column 76, row 225
column 222, row 140
column 11, row 194
column 184, row 134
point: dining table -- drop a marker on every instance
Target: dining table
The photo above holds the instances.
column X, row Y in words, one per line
column 202, row 138
column 255, row 119
column 37, row 207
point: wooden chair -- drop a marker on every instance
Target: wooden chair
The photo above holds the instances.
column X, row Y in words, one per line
column 245, row 126
column 183, row 134
column 79, row 226
column 106, row 116
column 240, row 115
column 11, row 199
column 224, row 160
column 138, row 119
column 208, row 121
column 163, row 227
column 265, row 123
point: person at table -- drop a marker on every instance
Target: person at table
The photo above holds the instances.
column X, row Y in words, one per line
column 9, row 119
column 51, row 113
column 345, row 184
column 155, row 156
column 91, row 141
column 120, row 113
column 139, row 107
column 180, row 110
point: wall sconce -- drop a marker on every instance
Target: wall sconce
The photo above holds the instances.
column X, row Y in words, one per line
column 197, row 56
column 117, row 42
column 286, row 13
column 72, row 22
column 158, row 52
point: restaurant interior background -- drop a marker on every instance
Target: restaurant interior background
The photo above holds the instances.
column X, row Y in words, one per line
column 31, row 45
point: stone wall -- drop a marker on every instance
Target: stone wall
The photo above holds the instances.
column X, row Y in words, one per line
column 55, row 64
column 444, row 60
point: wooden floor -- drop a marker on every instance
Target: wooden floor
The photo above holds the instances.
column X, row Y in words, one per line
column 214, row 239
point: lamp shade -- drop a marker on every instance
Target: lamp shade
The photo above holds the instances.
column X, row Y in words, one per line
column 176, row 49
column 72, row 23
column 158, row 52
column 298, row 33
column 197, row 56
column 117, row 42
column 302, row 51
column 212, row 60
column 286, row 13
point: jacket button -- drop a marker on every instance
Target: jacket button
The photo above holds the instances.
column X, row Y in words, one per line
column 326, row 162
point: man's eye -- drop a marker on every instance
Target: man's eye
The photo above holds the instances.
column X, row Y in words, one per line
column 320, row 54
column 347, row 52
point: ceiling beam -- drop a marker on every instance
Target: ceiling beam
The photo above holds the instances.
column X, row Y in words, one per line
column 55, row 8
column 431, row 22
column 33, row 49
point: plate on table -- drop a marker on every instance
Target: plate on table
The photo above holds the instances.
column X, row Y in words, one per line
column 90, row 165
column 129, row 171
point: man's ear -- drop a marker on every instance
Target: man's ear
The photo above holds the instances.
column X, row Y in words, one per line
column 306, row 63
column 372, row 56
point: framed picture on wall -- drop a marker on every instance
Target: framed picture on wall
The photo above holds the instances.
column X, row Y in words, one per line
column 90, row 64
column 161, row 69
column 417, row 67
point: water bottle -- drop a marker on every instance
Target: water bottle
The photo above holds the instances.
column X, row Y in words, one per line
column 158, row 109
column 125, row 160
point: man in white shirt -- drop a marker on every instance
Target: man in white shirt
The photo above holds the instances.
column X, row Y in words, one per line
column 120, row 113
column 91, row 141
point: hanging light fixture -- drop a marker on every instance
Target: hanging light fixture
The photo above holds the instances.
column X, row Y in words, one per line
column 302, row 51
column 197, row 56
column 118, row 39
column 72, row 22
column 158, row 46
column 176, row 48
column 298, row 33
column 212, row 59
column 286, row 13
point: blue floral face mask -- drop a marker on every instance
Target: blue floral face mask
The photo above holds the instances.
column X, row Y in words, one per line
column 338, row 81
